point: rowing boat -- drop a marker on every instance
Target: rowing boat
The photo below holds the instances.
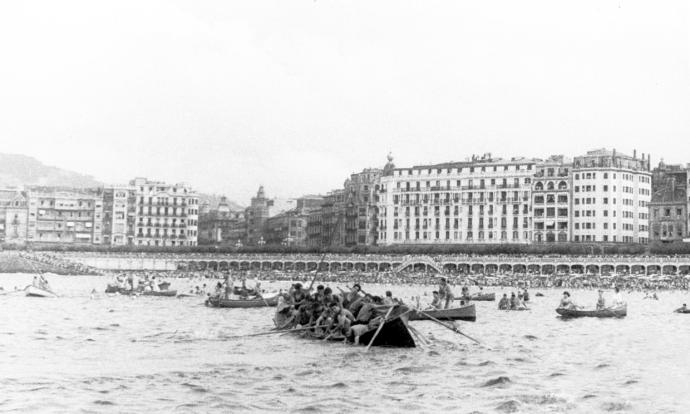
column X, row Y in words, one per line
column 487, row 297
column 463, row 313
column 238, row 290
column 129, row 292
column 615, row 312
column 35, row 292
column 394, row 332
column 682, row 311
column 217, row 302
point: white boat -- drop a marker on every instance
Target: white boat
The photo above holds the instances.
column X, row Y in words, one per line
column 33, row 291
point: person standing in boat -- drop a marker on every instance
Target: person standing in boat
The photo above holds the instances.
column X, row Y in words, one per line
column 229, row 285
column 601, row 302
column 444, row 293
column 618, row 298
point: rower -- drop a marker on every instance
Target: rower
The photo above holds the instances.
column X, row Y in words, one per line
column 504, row 303
column 436, row 302
column 566, row 302
column 682, row 309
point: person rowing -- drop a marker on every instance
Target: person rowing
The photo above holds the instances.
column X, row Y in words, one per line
column 504, row 303
column 682, row 309
column 436, row 302
column 566, row 302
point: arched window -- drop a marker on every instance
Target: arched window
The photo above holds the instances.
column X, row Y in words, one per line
column 550, row 186
column 562, row 185
column 539, row 186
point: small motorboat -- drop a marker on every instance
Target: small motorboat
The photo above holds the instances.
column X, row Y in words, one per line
column 36, row 292
column 613, row 312
column 463, row 313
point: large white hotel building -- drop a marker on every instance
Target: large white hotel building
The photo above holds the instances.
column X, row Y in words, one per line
column 599, row 197
column 483, row 200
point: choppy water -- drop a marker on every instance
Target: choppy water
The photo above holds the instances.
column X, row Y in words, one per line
column 124, row 354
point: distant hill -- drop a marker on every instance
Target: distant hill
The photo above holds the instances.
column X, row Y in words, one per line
column 17, row 170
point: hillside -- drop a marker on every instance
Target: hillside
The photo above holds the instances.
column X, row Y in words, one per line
column 17, row 170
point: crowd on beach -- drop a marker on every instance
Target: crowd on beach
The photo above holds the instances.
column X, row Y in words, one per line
column 573, row 281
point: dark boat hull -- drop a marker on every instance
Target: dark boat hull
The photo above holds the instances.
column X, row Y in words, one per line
column 394, row 333
column 216, row 302
column 464, row 313
column 603, row 313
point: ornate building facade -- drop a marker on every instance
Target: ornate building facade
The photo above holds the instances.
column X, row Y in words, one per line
column 166, row 214
column 482, row 200
column 361, row 197
column 669, row 207
column 221, row 225
column 256, row 215
column 551, row 199
column 13, row 216
column 119, row 215
column 611, row 193
column 64, row 216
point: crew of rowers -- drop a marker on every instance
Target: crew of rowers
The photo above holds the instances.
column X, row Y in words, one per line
column 146, row 285
column 348, row 314
column 567, row 303
column 515, row 302
column 227, row 288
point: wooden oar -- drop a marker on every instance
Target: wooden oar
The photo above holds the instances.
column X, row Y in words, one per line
column 276, row 332
column 317, row 272
column 383, row 322
column 452, row 328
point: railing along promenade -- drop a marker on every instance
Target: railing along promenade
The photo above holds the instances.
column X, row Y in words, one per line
column 377, row 262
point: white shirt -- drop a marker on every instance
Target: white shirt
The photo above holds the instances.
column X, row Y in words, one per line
column 618, row 299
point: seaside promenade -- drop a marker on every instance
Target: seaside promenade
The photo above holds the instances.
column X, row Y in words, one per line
column 387, row 263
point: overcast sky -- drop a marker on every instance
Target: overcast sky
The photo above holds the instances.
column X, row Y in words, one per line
column 298, row 94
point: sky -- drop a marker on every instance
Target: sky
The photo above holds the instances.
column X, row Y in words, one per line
column 296, row 95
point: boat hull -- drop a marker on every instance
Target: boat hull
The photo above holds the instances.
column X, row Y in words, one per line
column 34, row 292
column 619, row 312
column 486, row 297
column 127, row 292
column 216, row 302
column 394, row 333
column 464, row 313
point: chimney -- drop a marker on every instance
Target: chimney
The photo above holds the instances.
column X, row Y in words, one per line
column 634, row 154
